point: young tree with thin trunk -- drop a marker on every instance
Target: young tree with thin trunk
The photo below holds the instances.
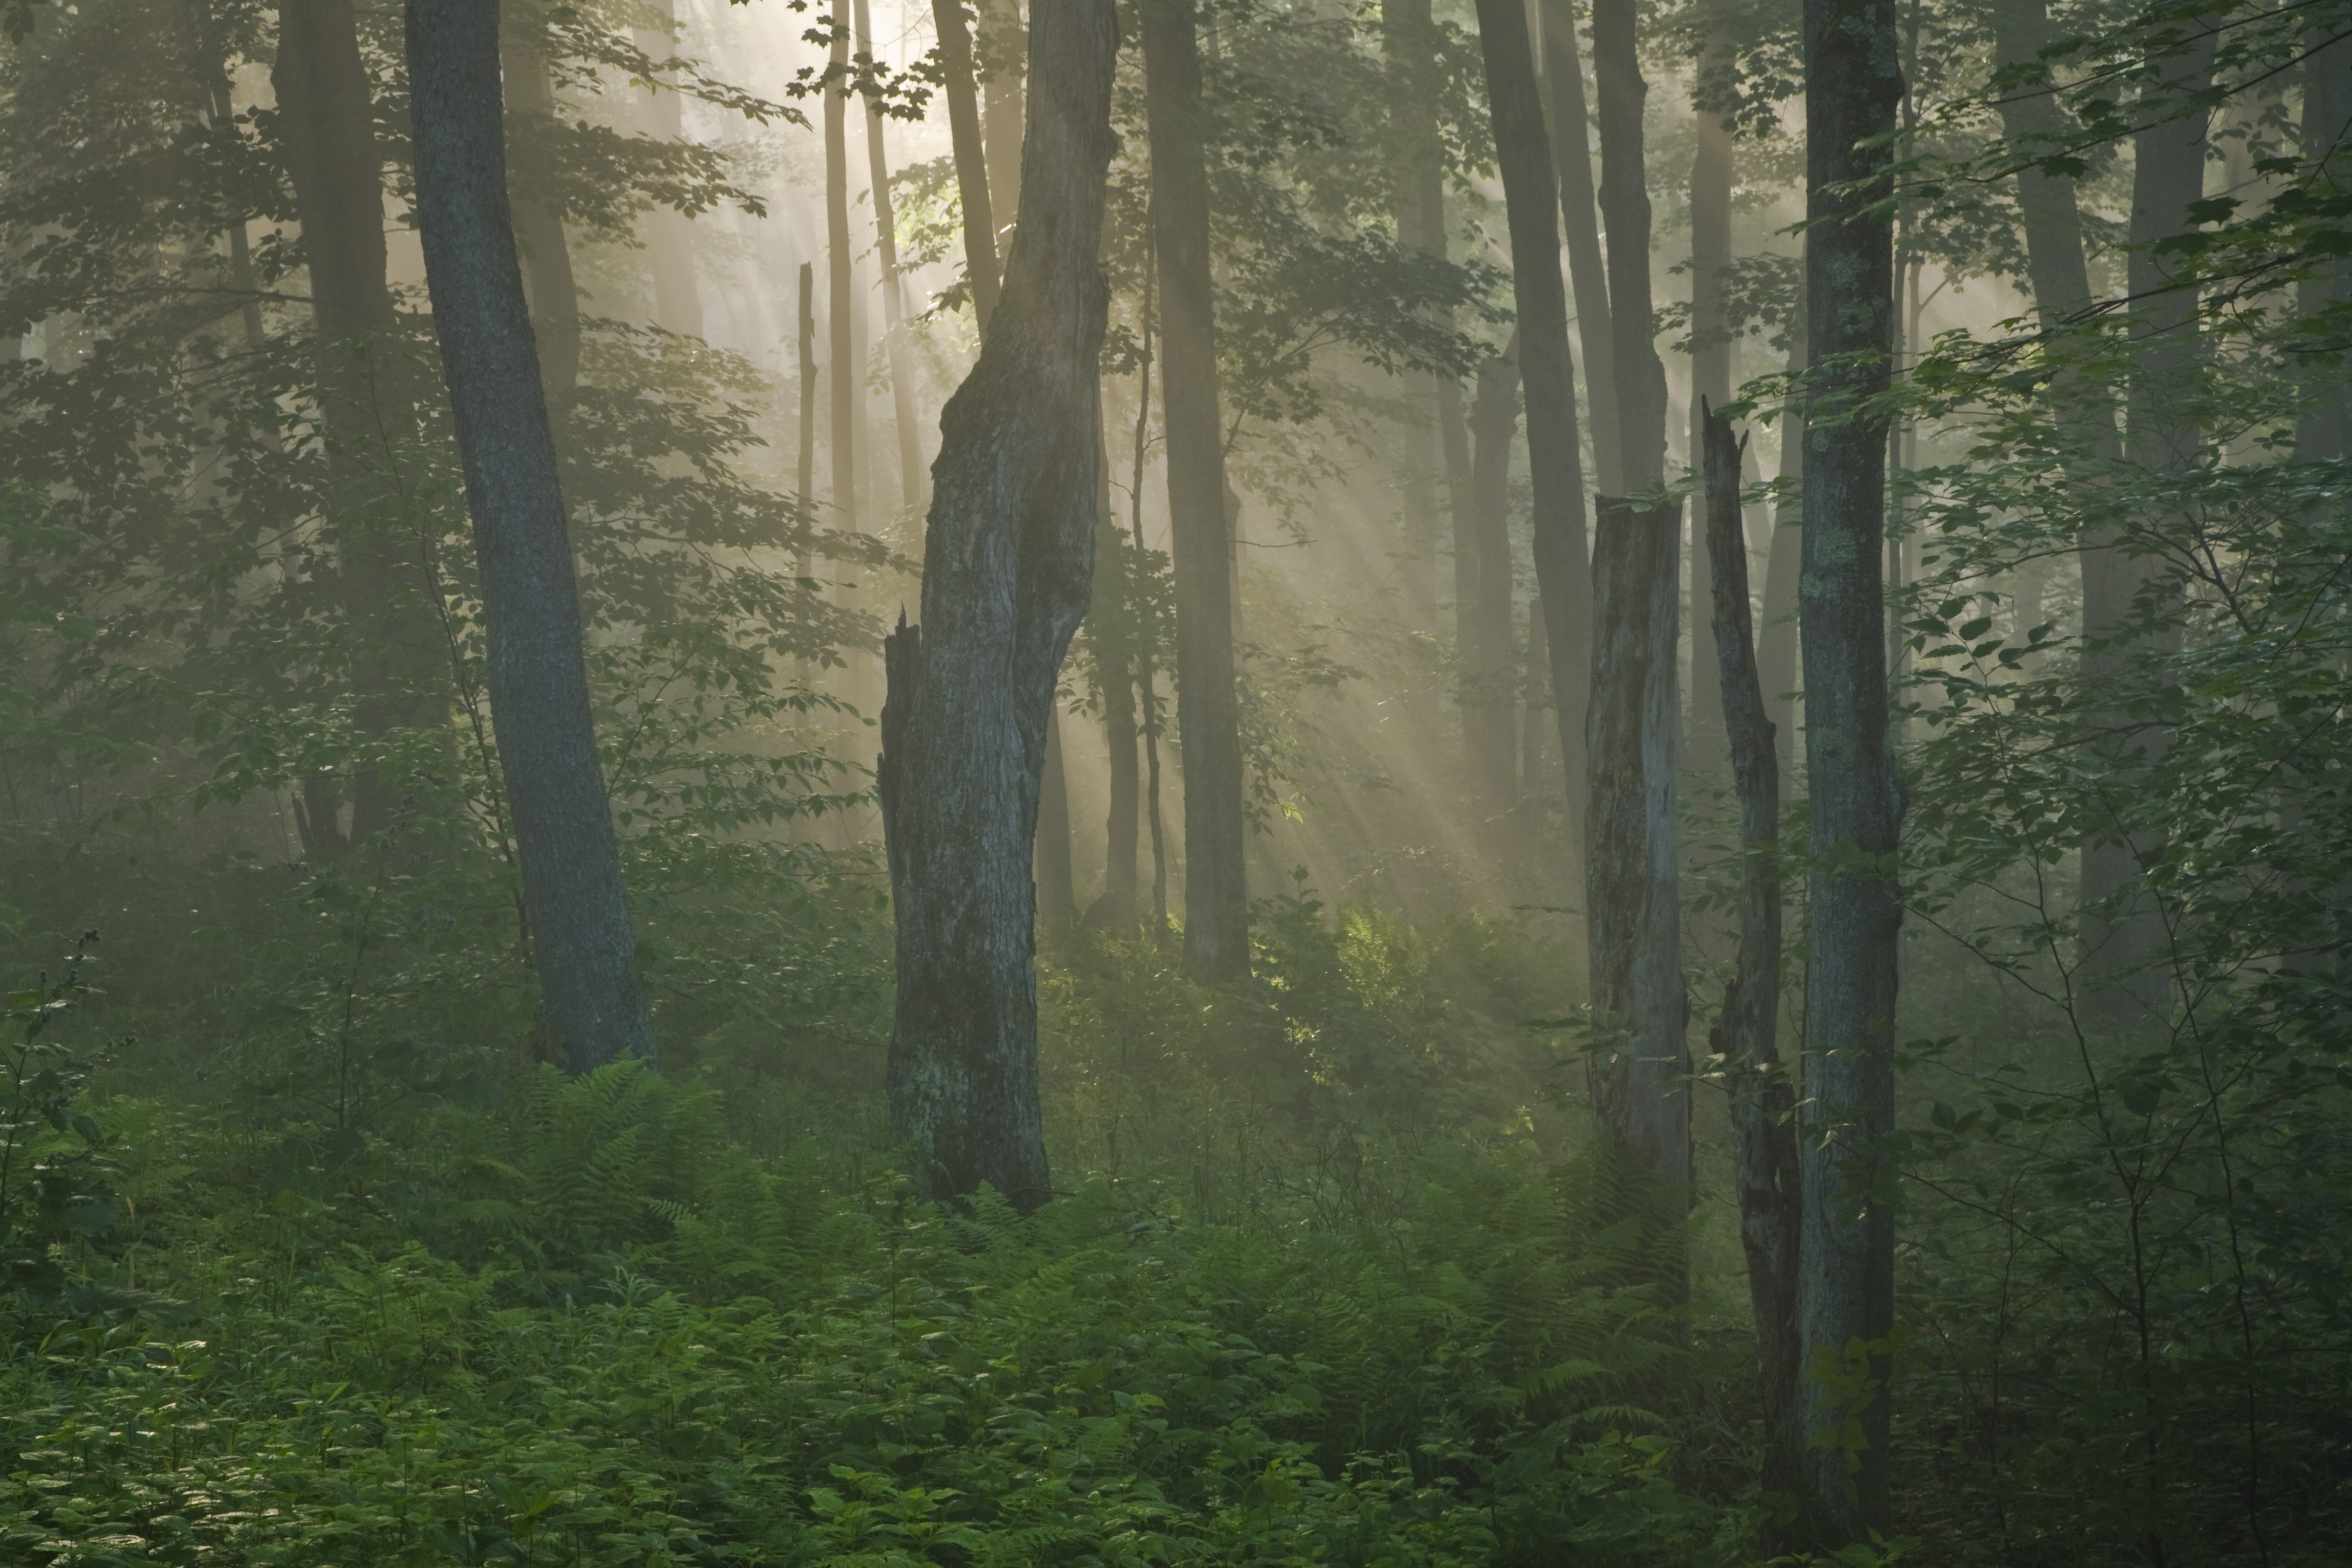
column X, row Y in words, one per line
column 1217, row 901
column 1113, row 636
column 971, row 158
column 846, row 395
column 1571, row 156
column 1530, row 196
column 886, row 250
column 1007, row 568
column 1745, row 1038
column 1705, row 748
column 806, row 324
column 1846, row 1290
column 574, row 897
column 1481, row 604
column 1409, row 39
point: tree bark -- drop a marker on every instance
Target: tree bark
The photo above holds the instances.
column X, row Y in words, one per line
column 807, row 329
column 554, row 292
column 1001, row 55
column 1625, row 208
column 573, row 892
column 1775, row 644
column 1847, row 1288
column 1706, row 749
column 1530, row 196
column 1640, row 1078
column 1216, row 909
column 1744, row 1037
column 1489, row 691
column 971, row 159
column 669, row 234
column 2323, row 430
column 886, row 248
column 1572, row 154
column 849, row 404
column 1057, row 898
column 1008, row 562
column 1120, row 904
column 1417, row 196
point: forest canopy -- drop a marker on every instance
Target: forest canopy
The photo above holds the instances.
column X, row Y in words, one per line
column 1485, row 782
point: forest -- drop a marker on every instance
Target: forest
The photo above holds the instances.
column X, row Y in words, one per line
column 1176, row 782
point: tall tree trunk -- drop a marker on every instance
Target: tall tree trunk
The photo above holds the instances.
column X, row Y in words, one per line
column 669, row 234
column 807, row 333
column 1706, row 752
column 847, row 395
column 1114, row 634
column 1625, row 208
column 1776, row 643
column 1057, row 897
column 1572, row 154
column 1216, row 908
column 1489, row 695
column 1745, row 1035
column 1530, row 189
column 554, row 292
column 886, row 248
column 1001, row 57
column 1847, row 1288
column 971, row 158
column 1417, row 198
column 1640, row 1082
column 573, row 892
column 2055, row 264
column 1008, row 563
column 327, row 113
column 2127, row 985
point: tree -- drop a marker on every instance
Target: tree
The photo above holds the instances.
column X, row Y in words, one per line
column 1846, row 1294
column 1216, row 899
column 1571, row 156
column 970, row 156
column 1481, row 595
column 1641, row 384
column 577, row 907
column 885, row 252
column 847, row 392
column 1008, row 563
column 538, row 209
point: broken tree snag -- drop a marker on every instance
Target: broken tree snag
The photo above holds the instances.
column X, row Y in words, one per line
column 1639, row 1071
column 1763, row 1102
column 1008, row 561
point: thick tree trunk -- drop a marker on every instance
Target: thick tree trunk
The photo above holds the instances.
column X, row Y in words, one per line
column 1489, row 691
column 327, row 114
column 1216, row 907
column 669, row 233
column 1744, row 1037
column 1847, row 1288
column 886, row 250
column 573, row 893
column 971, row 159
column 2125, row 983
column 1641, row 1090
column 1008, row 562
column 554, row 292
column 1571, row 156
column 1530, row 190
column 846, row 395
column 1625, row 208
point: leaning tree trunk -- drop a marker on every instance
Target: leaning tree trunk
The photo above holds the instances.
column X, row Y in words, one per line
column 886, row 251
column 1744, row 1037
column 1008, row 561
column 573, row 892
column 1571, row 156
column 1625, row 209
column 1853, row 904
column 971, row 158
column 1487, row 695
column 1641, row 1090
column 1216, row 908
column 1563, row 576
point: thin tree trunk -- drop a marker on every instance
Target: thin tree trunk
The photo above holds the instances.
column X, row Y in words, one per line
column 1057, row 898
column 1775, row 644
column 807, row 325
column 1417, row 198
column 1530, row 189
column 1625, row 208
column 1847, row 1288
column 1538, row 697
column 554, row 292
column 1144, row 645
column 894, row 335
column 1489, row 695
column 1572, row 162
column 1008, row 564
column 574, row 896
column 847, row 401
column 1000, row 62
column 1640, row 1079
column 971, row 159
column 1216, row 909
column 669, row 234
column 1745, row 1035
column 1114, row 636
column 1706, row 747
